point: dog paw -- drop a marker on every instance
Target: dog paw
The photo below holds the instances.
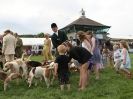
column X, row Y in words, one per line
column 29, row 86
column 51, row 83
column 47, row 86
column 35, row 84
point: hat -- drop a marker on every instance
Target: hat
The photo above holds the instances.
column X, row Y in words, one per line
column 7, row 31
column 53, row 25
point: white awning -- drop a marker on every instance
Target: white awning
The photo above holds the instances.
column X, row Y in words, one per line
column 33, row 41
column 121, row 36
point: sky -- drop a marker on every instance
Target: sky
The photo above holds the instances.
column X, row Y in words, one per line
column 35, row 16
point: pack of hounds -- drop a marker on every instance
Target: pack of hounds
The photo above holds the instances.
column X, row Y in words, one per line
column 24, row 68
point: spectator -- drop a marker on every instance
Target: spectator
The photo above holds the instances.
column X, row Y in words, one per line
column 47, row 48
column 19, row 46
column 58, row 37
column 72, row 41
column 9, row 44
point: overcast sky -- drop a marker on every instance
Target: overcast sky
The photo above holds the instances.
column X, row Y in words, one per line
column 34, row 16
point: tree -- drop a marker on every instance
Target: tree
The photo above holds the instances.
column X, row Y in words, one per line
column 41, row 35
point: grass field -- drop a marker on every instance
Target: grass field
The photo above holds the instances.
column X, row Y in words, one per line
column 110, row 86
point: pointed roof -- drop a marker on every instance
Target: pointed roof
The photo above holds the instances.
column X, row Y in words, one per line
column 85, row 21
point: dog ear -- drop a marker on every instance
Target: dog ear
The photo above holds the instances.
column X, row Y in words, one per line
column 10, row 65
column 47, row 73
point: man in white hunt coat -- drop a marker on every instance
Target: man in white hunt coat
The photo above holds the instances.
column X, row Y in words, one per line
column 9, row 44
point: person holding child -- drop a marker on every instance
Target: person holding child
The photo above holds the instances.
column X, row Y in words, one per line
column 125, row 64
column 61, row 67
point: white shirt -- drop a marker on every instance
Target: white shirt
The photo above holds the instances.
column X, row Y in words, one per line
column 56, row 33
column 117, row 55
column 73, row 43
column 86, row 47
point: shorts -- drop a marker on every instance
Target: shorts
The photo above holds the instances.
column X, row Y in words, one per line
column 63, row 78
column 90, row 65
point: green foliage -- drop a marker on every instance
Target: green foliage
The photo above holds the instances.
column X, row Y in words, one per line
column 110, row 86
column 28, row 36
column 41, row 35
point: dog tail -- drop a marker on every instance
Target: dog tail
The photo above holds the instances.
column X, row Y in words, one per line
column 29, row 57
column 22, row 58
column 47, row 73
column 21, row 70
column 33, row 70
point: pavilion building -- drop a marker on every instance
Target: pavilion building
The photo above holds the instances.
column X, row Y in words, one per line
column 86, row 24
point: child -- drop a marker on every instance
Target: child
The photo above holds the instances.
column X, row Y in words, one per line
column 61, row 67
column 125, row 65
column 104, row 56
column 117, row 57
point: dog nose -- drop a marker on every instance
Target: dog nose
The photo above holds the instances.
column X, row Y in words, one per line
column 4, row 69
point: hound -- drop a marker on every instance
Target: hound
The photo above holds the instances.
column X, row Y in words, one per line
column 39, row 72
column 12, row 66
column 8, row 78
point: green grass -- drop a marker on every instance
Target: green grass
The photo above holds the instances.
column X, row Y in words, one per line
column 110, row 86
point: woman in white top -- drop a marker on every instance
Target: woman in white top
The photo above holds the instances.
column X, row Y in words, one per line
column 95, row 50
column 117, row 57
column 85, row 43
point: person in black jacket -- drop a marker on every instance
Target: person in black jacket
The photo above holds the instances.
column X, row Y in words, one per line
column 1, row 55
column 58, row 37
column 82, row 56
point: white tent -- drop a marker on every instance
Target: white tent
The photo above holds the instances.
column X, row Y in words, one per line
column 33, row 41
column 121, row 36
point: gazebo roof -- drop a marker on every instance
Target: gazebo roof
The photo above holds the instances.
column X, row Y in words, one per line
column 86, row 21
column 85, row 24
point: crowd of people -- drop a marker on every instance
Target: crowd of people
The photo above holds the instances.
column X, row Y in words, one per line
column 87, row 57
